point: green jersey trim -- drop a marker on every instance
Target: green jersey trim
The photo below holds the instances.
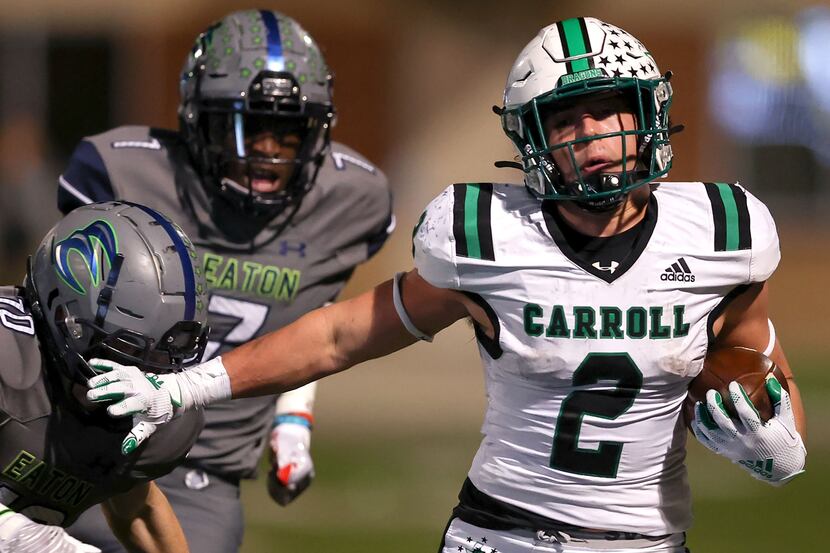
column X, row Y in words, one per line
column 471, row 221
column 730, row 216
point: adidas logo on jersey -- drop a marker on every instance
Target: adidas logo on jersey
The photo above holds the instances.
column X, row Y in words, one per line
column 679, row 271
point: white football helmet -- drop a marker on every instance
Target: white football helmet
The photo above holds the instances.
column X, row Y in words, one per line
column 579, row 57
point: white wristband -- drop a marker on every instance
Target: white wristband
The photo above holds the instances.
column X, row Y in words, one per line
column 771, row 345
column 204, row 384
column 402, row 314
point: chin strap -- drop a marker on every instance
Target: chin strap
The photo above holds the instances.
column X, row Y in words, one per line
column 676, row 129
column 509, row 165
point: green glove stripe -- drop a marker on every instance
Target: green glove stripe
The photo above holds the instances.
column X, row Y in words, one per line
column 719, row 403
column 773, row 389
column 706, row 417
column 108, row 397
column 129, row 445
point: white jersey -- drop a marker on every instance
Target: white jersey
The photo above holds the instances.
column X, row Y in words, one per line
column 590, row 365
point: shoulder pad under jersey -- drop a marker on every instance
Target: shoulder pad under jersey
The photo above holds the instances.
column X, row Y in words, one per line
column 454, row 234
column 742, row 224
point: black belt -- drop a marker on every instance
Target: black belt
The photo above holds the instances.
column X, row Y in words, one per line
column 477, row 508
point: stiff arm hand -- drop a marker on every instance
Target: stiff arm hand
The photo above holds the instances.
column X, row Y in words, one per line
column 154, row 399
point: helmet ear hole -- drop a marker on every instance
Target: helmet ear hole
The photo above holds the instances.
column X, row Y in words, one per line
column 72, row 329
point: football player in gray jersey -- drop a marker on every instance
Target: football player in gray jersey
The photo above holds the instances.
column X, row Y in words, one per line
column 116, row 280
column 595, row 293
column 280, row 216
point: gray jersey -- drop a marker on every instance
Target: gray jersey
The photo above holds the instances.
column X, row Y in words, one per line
column 342, row 221
column 56, row 459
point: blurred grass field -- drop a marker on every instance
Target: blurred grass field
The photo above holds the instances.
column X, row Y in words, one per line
column 392, row 489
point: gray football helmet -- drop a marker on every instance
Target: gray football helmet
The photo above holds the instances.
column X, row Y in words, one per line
column 251, row 71
column 119, row 281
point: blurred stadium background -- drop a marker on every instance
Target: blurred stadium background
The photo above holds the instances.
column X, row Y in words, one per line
column 414, row 82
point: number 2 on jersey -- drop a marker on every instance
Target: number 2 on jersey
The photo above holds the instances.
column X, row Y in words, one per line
column 616, row 368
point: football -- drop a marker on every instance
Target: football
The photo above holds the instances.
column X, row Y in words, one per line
column 743, row 365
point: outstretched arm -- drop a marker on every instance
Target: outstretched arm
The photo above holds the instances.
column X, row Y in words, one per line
column 321, row 343
column 334, row 338
column 144, row 521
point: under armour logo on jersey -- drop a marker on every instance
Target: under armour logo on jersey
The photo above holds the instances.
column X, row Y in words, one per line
column 610, row 268
column 140, row 144
column 678, row 271
column 287, row 247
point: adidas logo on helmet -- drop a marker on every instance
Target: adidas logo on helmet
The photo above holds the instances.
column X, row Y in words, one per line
column 678, row 272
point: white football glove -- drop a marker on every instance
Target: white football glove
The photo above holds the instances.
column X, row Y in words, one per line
column 291, row 466
column 771, row 451
column 154, row 399
column 149, row 398
column 19, row 534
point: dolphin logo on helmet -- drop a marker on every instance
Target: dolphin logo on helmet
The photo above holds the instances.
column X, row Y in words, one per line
column 86, row 242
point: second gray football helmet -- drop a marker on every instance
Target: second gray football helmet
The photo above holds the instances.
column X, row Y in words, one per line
column 119, row 281
column 251, row 71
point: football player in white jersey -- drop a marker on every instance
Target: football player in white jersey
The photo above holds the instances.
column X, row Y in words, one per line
column 595, row 294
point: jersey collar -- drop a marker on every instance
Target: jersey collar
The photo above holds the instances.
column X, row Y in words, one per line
column 554, row 222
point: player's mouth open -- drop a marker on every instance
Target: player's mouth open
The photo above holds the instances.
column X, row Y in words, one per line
column 264, row 181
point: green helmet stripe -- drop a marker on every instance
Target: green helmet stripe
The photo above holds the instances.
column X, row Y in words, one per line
column 575, row 43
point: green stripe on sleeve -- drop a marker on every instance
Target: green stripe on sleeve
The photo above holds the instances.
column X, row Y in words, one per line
column 733, row 235
column 471, row 221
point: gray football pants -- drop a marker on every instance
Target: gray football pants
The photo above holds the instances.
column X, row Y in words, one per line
column 211, row 516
